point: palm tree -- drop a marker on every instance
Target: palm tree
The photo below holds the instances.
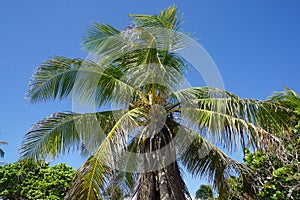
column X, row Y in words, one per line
column 1, row 151
column 2, row 142
column 204, row 193
column 289, row 99
column 136, row 146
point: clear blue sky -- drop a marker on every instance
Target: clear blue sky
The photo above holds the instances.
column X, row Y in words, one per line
column 255, row 44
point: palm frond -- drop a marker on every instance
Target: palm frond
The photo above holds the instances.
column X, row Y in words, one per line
column 229, row 120
column 97, row 34
column 1, row 153
column 157, row 32
column 287, row 94
column 92, row 177
column 90, row 180
column 204, row 159
column 2, row 142
column 94, row 180
column 53, row 79
column 165, row 19
column 140, row 45
column 287, row 98
column 291, row 100
column 138, row 67
column 204, row 191
column 64, row 132
column 80, row 79
column 164, row 77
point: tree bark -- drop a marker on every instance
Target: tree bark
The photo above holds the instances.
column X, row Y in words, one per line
column 164, row 182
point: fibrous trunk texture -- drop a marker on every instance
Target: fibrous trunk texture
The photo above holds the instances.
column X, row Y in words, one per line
column 163, row 182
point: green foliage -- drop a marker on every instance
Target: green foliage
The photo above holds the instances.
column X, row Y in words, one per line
column 278, row 174
column 27, row 179
column 204, row 193
column 236, row 188
column 279, row 178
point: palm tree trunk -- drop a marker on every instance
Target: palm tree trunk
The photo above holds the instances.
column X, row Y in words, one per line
column 164, row 183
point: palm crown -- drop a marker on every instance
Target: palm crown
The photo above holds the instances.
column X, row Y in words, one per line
column 1, row 151
column 138, row 71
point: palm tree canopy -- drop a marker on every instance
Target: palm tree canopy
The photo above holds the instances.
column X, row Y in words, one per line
column 204, row 192
column 139, row 70
column 289, row 99
column 2, row 142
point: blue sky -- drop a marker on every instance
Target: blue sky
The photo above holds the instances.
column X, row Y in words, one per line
column 255, row 45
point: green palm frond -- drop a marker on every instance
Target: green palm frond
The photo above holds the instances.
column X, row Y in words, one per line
column 144, row 65
column 287, row 94
column 291, row 100
column 146, row 37
column 84, row 80
column 97, row 181
column 140, row 67
column 90, row 180
column 204, row 159
column 136, row 46
column 288, row 98
column 92, row 177
column 53, row 79
column 162, row 77
column 165, row 19
column 64, row 132
column 205, row 192
column 194, row 93
column 229, row 120
column 97, row 34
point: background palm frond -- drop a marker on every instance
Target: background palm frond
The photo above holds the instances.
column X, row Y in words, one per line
column 2, row 142
column 1, row 153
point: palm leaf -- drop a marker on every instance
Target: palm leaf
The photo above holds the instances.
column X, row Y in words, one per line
column 167, row 19
column 287, row 94
column 83, row 80
column 2, row 142
column 64, row 132
column 204, row 159
column 94, row 180
column 141, row 63
column 92, row 177
column 289, row 99
column 97, row 34
column 1, row 153
column 227, row 119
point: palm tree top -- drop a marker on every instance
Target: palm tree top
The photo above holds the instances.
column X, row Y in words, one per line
column 138, row 70
column 2, row 142
column 204, row 193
